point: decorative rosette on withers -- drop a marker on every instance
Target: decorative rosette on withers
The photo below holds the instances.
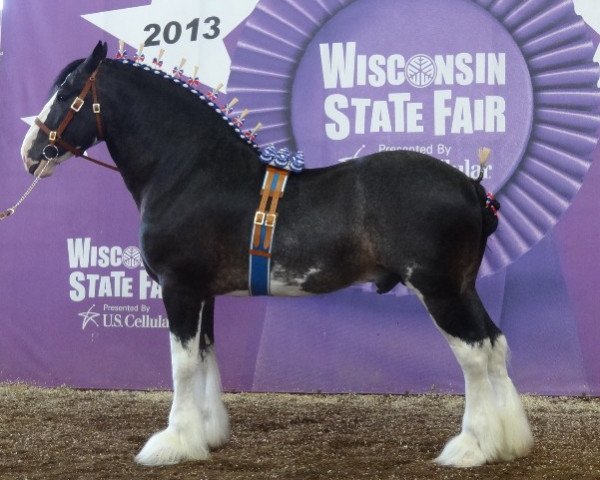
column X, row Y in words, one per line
column 283, row 159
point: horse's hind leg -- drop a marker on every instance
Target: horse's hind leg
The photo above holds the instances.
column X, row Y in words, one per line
column 198, row 419
column 494, row 425
column 517, row 434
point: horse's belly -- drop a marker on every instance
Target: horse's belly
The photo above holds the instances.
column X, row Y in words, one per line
column 283, row 284
column 286, row 284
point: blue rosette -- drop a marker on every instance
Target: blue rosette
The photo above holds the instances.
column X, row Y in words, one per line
column 297, row 162
column 283, row 159
column 268, row 155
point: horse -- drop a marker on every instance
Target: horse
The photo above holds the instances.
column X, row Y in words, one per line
column 388, row 218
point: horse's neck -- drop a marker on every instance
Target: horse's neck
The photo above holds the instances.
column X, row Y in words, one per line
column 159, row 132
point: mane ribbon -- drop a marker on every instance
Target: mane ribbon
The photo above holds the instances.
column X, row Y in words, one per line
column 55, row 136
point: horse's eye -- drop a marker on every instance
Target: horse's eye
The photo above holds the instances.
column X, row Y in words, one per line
column 61, row 97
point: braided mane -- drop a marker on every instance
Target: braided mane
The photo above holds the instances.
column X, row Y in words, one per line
column 244, row 136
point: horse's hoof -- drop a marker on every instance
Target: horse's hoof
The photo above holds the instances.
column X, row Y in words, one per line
column 169, row 447
column 462, row 451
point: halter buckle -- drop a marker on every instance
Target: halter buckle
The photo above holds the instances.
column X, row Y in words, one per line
column 96, row 107
column 77, row 104
column 52, row 136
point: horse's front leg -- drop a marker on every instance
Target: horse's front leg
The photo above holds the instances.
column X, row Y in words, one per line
column 198, row 420
column 214, row 413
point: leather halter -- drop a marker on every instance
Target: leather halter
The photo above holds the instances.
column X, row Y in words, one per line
column 55, row 136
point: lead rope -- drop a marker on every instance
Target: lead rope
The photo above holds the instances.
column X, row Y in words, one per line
column 11, row 211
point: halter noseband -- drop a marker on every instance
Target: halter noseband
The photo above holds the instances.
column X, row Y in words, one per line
column 50, row 151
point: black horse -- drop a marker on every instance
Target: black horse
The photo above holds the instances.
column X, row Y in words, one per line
column 386, row 218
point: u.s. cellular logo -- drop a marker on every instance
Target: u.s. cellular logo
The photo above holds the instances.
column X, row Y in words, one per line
column 107, row 271
column 124, row 316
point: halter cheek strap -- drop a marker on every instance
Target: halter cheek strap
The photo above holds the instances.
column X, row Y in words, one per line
column 55, row 136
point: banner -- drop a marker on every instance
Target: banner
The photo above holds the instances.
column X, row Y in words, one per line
column 337, row 79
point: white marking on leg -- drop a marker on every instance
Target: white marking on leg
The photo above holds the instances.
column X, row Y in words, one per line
column 517, row 433
column 184, row 438
column 494, row 426
column 214, row 413
column 481, row 439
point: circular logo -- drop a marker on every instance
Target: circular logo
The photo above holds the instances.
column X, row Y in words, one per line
column 420, row 71
column 371, row 91
column 132, row 257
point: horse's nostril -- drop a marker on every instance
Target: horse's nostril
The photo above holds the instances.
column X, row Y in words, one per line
column 34, row 167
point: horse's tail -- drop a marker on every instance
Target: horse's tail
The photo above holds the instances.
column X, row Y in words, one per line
column 489, row 205
column 489, row 209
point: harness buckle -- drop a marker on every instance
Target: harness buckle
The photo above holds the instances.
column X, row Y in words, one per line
column 77, row 104
column 271, row 219
column 259, row 218
column 96, row 107
column 52, row 136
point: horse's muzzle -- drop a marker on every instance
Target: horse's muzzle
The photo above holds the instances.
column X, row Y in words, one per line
column 34, row 167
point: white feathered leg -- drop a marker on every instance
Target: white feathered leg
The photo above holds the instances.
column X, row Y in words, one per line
column 494, row 423
column 185, row 438
column 481, row 439
column 518, row 439
column 214, row 414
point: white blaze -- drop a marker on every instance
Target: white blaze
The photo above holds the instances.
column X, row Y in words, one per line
column 29, row 140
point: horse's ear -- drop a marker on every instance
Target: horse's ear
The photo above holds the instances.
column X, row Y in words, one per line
column 99, row 54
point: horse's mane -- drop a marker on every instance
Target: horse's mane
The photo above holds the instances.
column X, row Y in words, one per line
column 184, row 85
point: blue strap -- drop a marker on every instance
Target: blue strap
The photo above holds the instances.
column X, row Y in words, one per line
column 259, row 271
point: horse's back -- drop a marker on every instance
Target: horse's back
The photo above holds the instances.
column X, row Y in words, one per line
column 400, row 188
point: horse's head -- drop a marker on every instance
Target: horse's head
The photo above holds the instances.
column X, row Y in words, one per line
column 80, row 132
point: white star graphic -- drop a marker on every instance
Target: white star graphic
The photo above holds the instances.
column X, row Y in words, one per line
column 181, row 27
column 590, row 12
column 88, row 317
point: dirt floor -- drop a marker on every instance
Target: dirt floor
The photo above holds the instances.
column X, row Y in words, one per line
column 69, row 434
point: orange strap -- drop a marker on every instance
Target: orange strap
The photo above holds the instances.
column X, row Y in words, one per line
column 269, row 198
column 272, row 215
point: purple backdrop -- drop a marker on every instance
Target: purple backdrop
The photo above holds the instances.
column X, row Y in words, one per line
column 77, row 308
